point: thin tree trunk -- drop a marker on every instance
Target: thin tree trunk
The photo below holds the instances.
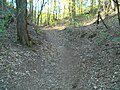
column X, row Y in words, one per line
column 31, row 10
column 48, row 14
column 54, row 11
column 34, row 17
column 73, row 9
column 69, row 8
column 81, row 7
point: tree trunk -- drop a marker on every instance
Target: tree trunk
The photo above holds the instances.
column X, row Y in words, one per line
column 54, row 11
column 118, row 11
column 41, row 19
column 91, row 9
column 81, row 6
column 48, row 14
column 73, row 9
column 31, row 10
column 34, row 17
column 112, row 5
column 69, row 8
column 117, row 3
column 12, row 1
column 22, row 32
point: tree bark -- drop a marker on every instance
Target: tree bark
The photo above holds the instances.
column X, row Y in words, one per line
column 22, row 32
column 48, row 14
column 73, row 9
column 117, row 3
column 69, row 8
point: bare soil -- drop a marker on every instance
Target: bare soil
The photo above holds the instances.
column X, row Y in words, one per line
column 83, row 58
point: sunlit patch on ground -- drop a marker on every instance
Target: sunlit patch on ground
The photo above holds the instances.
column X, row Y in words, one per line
column 54, row 28
column 89, row 22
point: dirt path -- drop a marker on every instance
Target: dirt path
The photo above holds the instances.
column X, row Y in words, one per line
column 71, row 60
column 68, row 59
column 82, row 63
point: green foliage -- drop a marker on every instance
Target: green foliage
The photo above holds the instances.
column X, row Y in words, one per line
column 2, row 31
column 4, row 22
column 75, row 23
column 52, row 23
column 88, row 16
column 72, row 22
column 69, row 30
column 39, row 30
column 116, row 39
column 118, row 33
column 103, row 36
column 2, row 27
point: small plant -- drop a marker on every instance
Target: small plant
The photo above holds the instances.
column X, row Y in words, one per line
column 39, row 30
column 68, row 30
column 116, row 39
column 3, row 28
column 53, row 22
column 103, row 35
column 118, row 33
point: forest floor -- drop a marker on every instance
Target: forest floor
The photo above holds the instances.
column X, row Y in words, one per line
column 81, row 58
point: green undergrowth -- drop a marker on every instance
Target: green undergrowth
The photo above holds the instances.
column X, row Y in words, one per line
column 105, row 36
